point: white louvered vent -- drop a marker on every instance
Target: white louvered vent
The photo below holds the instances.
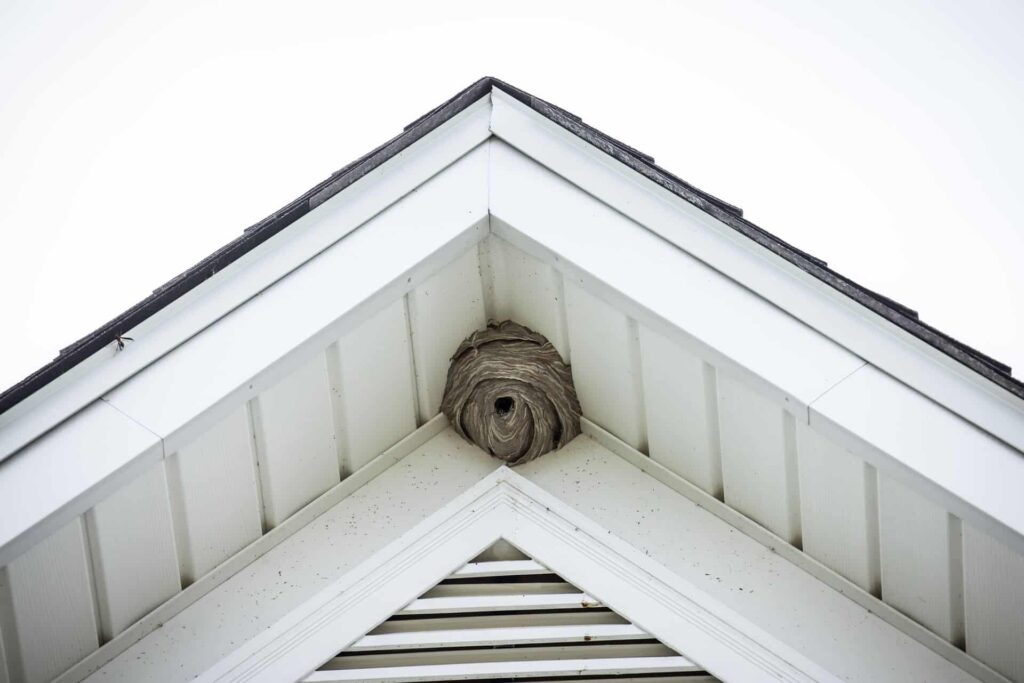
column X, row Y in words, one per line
column 504, row 620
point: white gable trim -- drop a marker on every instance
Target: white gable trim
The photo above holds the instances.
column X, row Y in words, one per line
column 898, row 430
column 506, row 505
column 827, row 310
column 190, row 330
column 246, row 277
column 156, row 411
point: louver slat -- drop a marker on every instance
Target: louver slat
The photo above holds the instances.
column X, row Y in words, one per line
column 478, row 637
column 499, row 603
column 489, row 670
column 507, row 620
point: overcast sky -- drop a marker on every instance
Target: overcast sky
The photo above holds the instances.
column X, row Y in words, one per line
column 135, row 138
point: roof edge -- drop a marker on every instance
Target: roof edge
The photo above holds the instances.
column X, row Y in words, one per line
column 901, row 316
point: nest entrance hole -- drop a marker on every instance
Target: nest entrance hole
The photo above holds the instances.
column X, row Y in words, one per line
column 504, row 405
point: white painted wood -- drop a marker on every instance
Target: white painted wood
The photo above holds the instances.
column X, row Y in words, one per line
column 909, row 437
column 478, row 637
column 822, row 307
column 331, row 542
column 527, row 290
column 247, row 276
column 506, row 620
column 627, row 577
column 919, row 542
column 46, row 607
column 606, row 365
column 263, row 340
column 61, row 475
column 499, row 603
column 838, row 509
column 680, row 397
column 295, row 441
column 455, row 672
column 474, row 570
column 455, row 589
column 994, row 596
column 372, row 387
column 660, row 286
column 705, row 554
column 156, row 619
column 214, row 496
column 793, row 556
column 134, row 562
column 443, row 311
column 373, row 660
column 311, row 625
column 758, row 462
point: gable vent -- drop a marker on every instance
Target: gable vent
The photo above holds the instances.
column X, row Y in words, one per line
column 507, row 620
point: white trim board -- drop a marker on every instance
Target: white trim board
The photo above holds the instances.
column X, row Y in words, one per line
column 827, row 310
column 234, row 360
column 699, row 618
column 246, row 277
column 902, row 432
column 506, row 506
column 193, row 331
column 797, row 557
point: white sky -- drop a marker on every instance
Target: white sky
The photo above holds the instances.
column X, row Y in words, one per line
column 135, row 138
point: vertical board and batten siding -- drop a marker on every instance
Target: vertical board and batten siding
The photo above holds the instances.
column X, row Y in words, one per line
column 922, row 573
column 994, row 602
column 134, row 561
column 372, row 387
column 606, row 365
column 758, row 458
column 47, row 615
column 215, row 496
column 838, row 509
column 443, row 311
column 522, row 288
column 295, row 441
column 680, row 397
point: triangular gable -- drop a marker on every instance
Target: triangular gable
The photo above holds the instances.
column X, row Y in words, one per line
column 811, row 425
column 494, row 619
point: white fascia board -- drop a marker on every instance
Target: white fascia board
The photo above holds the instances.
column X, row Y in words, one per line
column 921, row 443
column 61, row 475
column 246, row 277
column 660, row 285
column 828, row 311
column 261, row 341
column 171, row 401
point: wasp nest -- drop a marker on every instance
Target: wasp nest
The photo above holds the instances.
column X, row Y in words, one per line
column 510, row 393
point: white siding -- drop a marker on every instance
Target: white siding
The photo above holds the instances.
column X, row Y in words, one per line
column 295, row 441
column 682, row 412
column 372, row 387
column 920, row 547
column 133, row 556
column 838, row 509
column 606, row 365
column 46, row 607
column 994, row 583
column 215, row 496
column 758, row 462
column 527, row 290
column 443, row 311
